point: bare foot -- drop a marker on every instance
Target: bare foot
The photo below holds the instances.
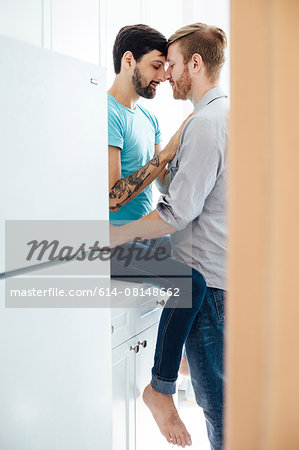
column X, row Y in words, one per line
column 165, row 414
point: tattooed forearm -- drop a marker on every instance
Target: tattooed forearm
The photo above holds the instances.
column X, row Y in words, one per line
column 155, row 161
column 133, row 184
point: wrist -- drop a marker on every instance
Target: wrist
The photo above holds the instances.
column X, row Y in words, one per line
column 166, row 155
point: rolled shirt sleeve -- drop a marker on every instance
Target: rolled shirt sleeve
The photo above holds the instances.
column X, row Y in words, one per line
column 195, row 170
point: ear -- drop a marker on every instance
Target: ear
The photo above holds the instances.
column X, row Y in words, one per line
column 128, row 60
column 196, row 63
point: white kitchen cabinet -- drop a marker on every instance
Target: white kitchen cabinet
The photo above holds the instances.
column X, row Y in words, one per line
column 131, row 369
column 147, row 433
column 55, row 378
column 135, row 315
column 123, row 396
column 132, row 359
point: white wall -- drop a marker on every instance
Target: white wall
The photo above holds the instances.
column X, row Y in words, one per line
column 22, row 20
column 70, row 27
column 75, row 29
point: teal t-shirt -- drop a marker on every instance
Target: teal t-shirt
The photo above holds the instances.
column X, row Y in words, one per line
column 135, row 133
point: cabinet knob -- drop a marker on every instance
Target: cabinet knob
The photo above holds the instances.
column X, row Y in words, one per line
column 112, row 329
column 134, row 348
column 160, row 302
column 143, row 344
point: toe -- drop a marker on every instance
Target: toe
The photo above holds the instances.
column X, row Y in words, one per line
column 167, row 437
column 173, row 439
column 185, row 438
column 179, row 441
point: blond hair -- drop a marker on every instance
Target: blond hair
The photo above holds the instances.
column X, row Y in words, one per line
column 207, row 40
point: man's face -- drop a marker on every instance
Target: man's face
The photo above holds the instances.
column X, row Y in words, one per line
column 149, row 73
column 177, row 73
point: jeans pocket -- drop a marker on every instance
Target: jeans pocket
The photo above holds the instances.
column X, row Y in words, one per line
column 218, row 295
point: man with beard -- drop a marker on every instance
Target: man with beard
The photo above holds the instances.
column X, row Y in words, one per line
column 195, row 204
column 135, row 156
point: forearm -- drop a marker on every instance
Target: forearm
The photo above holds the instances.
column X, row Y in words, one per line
column 163, row 181
column 149, row 227
column 127, row 188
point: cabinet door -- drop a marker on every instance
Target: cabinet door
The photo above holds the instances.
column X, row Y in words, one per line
column 148, row 435
column 55, row 378
column 123, row 396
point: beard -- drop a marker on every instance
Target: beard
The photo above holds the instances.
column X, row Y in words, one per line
column 142, row 90
column 182, row 87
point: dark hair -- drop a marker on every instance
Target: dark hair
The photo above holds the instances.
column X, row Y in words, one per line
column 139, row 39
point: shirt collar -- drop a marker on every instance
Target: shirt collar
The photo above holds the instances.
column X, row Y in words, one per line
column 208, row 97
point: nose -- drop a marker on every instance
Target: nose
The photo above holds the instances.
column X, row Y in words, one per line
column 162, row 75
column 168, row 74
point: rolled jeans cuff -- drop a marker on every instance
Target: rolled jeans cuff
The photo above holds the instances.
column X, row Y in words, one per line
column 167, row 387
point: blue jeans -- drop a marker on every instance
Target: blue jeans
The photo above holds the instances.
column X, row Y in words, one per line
column 205, row 349
column 201, row 328
column 175, row 325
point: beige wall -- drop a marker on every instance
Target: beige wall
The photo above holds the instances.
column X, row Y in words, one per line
column 263, row 304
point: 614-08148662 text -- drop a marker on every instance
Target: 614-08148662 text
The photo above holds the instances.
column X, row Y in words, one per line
column 140, row 292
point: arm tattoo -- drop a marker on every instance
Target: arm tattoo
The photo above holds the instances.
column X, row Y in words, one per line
column 126, row 187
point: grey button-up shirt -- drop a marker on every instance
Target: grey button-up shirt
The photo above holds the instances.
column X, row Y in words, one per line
column 196, row 200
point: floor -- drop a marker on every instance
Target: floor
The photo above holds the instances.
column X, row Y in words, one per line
column 193, row 417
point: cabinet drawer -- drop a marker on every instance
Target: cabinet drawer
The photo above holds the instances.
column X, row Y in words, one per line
column 148, row 313
column 133, row 314
column 122, row 325
column 127, row 322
